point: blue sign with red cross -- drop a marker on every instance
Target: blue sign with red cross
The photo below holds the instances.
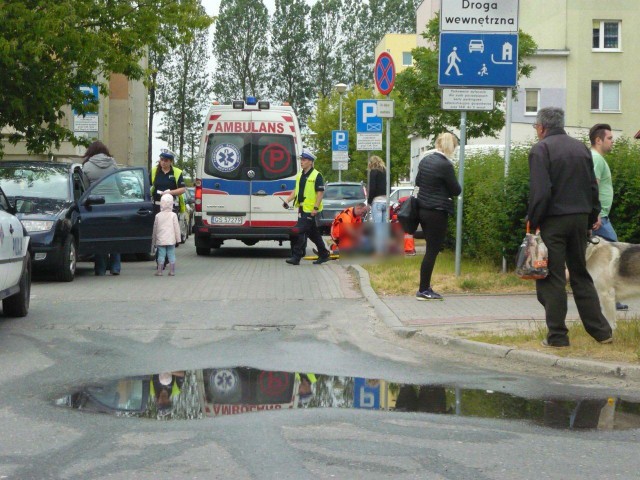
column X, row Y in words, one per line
column 384, row 73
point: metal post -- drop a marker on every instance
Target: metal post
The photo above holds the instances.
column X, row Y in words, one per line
column 463, row 139
column 388, row 192
column 507, row 153
column 340, row 128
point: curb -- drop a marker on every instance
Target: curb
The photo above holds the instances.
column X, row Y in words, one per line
column 390, row 319
column 383, row 312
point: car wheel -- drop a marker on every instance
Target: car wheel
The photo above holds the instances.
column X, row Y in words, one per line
column 203, row 251
column 67, row 269
column 17, row 305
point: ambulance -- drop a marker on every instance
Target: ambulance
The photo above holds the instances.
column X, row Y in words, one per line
column 249, row 159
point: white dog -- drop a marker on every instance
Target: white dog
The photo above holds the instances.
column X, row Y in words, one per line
column 615, row 269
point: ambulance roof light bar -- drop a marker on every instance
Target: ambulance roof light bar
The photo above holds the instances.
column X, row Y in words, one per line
column 263, row 105
column 238, row 104
column 251, row 100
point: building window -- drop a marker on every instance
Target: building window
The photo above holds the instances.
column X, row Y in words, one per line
column 605, row 96
column 606, row 35
column 407, row 59
column 532, row 101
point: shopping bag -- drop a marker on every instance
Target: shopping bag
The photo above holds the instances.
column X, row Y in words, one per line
column 532, row 261
column 409, row 214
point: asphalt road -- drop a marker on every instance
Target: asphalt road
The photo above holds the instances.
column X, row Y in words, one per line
column 245, row 307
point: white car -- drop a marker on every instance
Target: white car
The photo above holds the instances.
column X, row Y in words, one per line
column 15, row 262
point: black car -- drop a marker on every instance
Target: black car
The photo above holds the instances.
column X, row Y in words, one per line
column 66, row 219
column 337, row 197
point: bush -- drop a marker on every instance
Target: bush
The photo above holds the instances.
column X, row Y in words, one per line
column 495, row 208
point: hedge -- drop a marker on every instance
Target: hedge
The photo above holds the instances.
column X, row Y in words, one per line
column 495, row 208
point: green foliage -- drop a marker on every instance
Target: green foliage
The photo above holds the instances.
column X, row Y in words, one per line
column 239, row 45
column 324, row 27
column 495, row 209
column 290, row 57
column 624, row 162
column 48, row 49
column 183, row 92
column 484, row 194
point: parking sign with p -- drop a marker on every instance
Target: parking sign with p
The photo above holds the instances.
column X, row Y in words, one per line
column 367, row 120
column 339, row 140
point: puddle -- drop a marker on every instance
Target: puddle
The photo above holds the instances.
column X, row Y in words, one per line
column 214, row 392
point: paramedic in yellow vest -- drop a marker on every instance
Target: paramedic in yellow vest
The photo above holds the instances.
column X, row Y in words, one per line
column 307, row 196
column 165, row 178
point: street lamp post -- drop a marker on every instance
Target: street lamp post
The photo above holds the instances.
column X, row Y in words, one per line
column 341, row 88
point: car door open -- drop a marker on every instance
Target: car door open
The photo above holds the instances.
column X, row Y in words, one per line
column 116, row 214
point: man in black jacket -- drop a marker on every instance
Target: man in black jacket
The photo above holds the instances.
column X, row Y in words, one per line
column 563, row 203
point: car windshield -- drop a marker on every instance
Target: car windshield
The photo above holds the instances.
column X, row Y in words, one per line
column 38, row 181
column 343, row 192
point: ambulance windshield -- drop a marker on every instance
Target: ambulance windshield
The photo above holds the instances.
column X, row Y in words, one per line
column 233, row 156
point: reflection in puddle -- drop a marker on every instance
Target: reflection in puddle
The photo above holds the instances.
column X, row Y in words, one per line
column 215, row 392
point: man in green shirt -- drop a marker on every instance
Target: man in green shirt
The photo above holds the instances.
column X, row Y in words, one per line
column 601, row 140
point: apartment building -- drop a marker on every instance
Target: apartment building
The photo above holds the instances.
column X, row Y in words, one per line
column 399, row 46
column 121, row 123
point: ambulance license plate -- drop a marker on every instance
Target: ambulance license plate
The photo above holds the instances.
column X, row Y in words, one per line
column 228, row 220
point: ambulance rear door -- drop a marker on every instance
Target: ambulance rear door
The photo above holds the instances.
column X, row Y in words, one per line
column 226, row 190
column 273, row 169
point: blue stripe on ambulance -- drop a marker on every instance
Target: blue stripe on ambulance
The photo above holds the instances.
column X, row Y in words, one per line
column 241, row 187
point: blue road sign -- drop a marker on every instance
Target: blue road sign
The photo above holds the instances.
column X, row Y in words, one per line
column 91, row 92
column 367, row 120
column 478, row 59
column 366, row 396
column 339, row 140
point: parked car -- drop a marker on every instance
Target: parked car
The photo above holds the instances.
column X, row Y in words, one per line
column 399, row 192
column 337, row 197
column 66, row 219
column 15, row 262
column 187, row 219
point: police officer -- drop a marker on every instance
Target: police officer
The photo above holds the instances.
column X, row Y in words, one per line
column 165, row 178
column 308, row 197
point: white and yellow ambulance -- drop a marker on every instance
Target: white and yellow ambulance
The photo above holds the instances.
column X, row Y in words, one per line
column 249, row 158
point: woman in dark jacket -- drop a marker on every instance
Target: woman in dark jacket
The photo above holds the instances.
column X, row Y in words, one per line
column 437, row 184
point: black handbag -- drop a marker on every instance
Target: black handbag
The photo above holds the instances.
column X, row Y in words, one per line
column 409, row 215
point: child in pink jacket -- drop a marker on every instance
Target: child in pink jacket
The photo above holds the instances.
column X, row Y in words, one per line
column 166, row 233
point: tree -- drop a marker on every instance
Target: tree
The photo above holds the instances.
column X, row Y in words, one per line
column 184, row 91
column 240, row 49
column 355, row 62
column 290, row 56
column 418, row 88
column 324, row 28
column 48, row 50
column 326, row 119
column 157, row 63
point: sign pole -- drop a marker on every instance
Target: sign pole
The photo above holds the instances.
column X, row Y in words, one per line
column 507, row 154
column 388, row 192
column 463, row 139
column 340, row 170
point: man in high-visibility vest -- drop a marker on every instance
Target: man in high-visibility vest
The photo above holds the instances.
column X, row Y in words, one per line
column 308, row 197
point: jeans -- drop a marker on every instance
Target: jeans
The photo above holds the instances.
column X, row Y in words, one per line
column 606, row 230
column 378, row 211
column 104, row 261
column 168, row 251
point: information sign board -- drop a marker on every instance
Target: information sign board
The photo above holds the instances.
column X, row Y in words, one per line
column 468, row 99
